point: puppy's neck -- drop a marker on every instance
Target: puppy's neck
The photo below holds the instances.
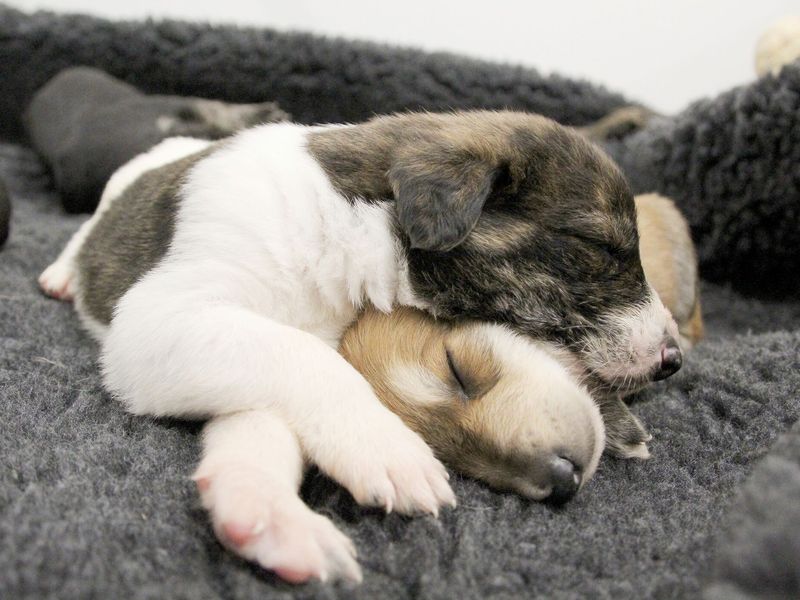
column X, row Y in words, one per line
column 349, row 243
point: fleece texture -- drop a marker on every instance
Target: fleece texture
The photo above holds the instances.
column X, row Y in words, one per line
column 732, row 163
column 97, row 503
column 321, row 79
column 758, row 554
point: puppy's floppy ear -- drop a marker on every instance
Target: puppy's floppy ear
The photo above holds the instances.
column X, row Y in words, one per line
column 439, row 194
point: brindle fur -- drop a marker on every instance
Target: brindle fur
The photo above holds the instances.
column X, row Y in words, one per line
column 132, row 236
column 505, row 216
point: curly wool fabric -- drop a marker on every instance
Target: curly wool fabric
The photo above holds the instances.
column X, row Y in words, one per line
column 97, row 503
column 321, row 79
column 732, row 163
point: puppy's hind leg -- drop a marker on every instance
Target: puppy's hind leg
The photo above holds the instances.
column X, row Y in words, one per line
column 57, row 280
column 248, row 480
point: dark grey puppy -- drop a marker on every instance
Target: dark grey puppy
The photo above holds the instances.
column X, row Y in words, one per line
column 86, row 124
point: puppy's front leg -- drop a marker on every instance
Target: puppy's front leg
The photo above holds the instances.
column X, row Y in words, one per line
column 248, row 479
column 173, row 354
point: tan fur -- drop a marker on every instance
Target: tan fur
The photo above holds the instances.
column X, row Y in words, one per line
column 500, row 235
column 670, row 262
column 618, row 124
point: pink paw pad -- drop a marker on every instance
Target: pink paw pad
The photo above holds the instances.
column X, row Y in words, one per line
column 271, row 526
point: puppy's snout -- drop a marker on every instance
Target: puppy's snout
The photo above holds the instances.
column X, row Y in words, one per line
column 671, row 359
column 565, row 478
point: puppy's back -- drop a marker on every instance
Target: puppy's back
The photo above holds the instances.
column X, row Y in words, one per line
column 669, row 261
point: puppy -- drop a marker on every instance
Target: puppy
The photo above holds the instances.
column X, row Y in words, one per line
column 492, row 404
column 670, row 263
column 220, row 277
column 499, row 408
column 87, row 124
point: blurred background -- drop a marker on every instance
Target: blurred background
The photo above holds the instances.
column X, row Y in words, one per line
column 664, row 54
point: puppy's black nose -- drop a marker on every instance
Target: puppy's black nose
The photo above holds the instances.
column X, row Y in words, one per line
column 671, row 360
column 565, row 478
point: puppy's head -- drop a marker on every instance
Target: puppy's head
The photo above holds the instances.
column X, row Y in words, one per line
column 510, row 218
column 492, row 404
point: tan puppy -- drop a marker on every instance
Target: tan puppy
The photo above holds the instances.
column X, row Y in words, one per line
column 670, row 263
column 499, row 407
column 492, row 404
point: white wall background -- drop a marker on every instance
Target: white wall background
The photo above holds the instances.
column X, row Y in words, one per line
column 662, row 53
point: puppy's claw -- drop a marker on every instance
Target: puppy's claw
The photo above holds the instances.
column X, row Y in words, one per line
column 444, row 493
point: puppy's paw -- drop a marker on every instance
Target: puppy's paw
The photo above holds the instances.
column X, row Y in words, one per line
column 273, row 527
column 56, row 281
column 640, row 450
column 391, row 467
column 626, row 437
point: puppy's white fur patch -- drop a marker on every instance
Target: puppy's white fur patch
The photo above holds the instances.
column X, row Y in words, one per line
column 629, row 347
column 417, row 385
column 553, row 396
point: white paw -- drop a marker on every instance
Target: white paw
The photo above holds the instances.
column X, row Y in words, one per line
column 56, row 280
column 271, row 526
column 391, row 467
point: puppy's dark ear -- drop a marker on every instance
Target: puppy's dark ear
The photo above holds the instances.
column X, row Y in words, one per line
column 439, row 195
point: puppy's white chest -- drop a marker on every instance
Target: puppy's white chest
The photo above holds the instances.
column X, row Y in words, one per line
column 262, row 217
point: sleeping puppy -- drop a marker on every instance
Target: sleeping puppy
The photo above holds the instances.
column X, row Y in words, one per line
column 501, row 408
column 220, row 277
column 86, row 124
column 670, row 263
column 494, row 405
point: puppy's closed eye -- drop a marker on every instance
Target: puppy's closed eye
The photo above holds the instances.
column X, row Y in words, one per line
column 473, row 369
column 461, row 382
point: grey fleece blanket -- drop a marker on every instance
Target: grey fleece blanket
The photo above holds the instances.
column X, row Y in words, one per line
column 96, row 503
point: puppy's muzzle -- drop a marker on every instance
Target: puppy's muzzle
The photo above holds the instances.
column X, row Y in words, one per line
column 671, row 359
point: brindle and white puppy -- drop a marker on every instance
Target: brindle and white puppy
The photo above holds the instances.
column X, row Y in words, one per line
column 220, row 277
column 502, row 409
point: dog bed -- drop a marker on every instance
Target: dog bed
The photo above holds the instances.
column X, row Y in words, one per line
column 97, row 503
